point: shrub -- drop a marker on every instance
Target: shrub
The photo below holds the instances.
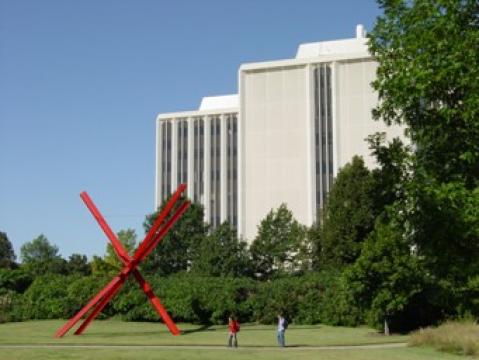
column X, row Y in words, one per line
column 452, row 336
column 307, row 299
column 17, row 280
column 45, row 298
column 10, row 306
column 189, row 298
column 80, row 290
column 337, row 305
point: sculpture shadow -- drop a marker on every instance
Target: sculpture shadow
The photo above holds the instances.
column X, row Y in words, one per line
column 198, row 329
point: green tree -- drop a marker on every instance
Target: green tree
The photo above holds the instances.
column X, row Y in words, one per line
column 177, row 249
column 279, row 246
column 315, row 236
column 17, row 280
column 446, row 234
column 349, row 214
column 7, row 255
column 221, row 253
column 46, row 297
column 128, row 239
column 39, row 256
column 427, row 80
column 390, row 283
column 110, row 264
column 38, row 250
column 393, row 173
column 387, row 281
column 78, row 264
column 99, row 267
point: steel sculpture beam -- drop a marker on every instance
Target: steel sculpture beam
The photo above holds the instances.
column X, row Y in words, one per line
column 170, row 214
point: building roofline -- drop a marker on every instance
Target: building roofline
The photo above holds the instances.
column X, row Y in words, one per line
column 195, row 113
column 219, row 102
column 303, row 61
column 259, row 66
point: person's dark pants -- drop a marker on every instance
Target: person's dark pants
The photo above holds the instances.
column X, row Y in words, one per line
column 232, row 340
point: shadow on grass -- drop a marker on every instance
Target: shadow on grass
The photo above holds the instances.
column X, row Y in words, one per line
column 273, row 327
column 114, row 334
column 199, row 329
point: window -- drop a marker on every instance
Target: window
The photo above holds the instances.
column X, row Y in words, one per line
column 232, row 169
column 323, row 125
column 198, row 159
column 215, row 170
column 165, row 159
column 182, row 151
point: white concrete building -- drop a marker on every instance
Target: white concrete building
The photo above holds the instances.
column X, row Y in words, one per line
column 282, row 139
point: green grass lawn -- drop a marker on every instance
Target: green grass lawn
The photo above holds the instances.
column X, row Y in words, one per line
column 256, row 341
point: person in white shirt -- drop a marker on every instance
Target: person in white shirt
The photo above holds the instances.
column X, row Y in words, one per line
column 282, row 326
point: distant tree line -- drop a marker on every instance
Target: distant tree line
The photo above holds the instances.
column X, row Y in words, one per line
column 396, row 247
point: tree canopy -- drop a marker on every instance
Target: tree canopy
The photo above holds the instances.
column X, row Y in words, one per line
column 349, row 214
column 7, row 255
column 38, row 250
column 176, row 251
column 39, row 256
column 78, row 264
column 279, row 245
column 221, row 253
column 427, row 79
column 128, row 239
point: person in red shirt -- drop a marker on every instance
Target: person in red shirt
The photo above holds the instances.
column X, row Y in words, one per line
column 233, row 328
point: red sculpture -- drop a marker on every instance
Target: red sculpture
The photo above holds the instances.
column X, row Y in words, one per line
column 161, row 226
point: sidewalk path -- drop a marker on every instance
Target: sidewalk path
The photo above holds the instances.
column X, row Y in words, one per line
column 201, row 347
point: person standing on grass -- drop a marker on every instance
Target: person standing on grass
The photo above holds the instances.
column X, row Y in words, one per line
column 282, row 326
column 233, row 328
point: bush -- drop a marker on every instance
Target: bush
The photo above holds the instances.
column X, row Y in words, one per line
column 80, row 290
column 337, row 306
column 17, row 280
column 454, row 337
column 189, row 298
column 10, row 306
column 45, row 298
column 390, row 283
column 306, row 299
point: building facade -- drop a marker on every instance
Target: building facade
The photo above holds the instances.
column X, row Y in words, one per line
column 282, row 139
column 200, row 148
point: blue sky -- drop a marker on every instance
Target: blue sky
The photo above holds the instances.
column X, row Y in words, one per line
column 81, row 83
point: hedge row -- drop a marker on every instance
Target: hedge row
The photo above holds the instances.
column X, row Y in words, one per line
column 308, row 299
